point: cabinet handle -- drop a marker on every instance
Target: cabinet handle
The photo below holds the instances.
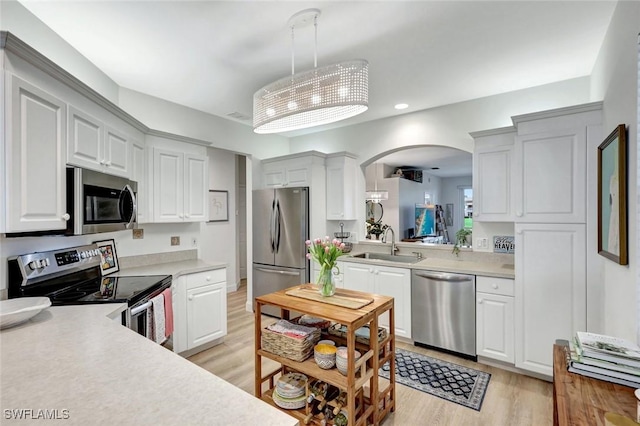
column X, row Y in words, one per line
column 66, row 216
column 480, row 301
column 190, row 297
column 494, row 286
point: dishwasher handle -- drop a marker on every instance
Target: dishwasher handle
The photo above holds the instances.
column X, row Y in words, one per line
column 443, row 276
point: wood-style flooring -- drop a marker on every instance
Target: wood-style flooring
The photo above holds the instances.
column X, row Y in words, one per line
column 511, row 399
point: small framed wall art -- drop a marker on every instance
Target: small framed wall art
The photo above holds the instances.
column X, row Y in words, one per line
column 218, row 206
column 108, row 257
column 612, row 196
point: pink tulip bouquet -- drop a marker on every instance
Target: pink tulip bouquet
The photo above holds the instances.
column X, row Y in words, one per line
column 326, row 253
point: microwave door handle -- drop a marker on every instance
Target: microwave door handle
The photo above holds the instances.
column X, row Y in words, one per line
column 134, row 211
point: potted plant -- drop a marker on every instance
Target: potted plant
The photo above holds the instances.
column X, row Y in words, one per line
column 463, row 237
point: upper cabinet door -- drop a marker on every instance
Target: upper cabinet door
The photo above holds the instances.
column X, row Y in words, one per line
column 341, row 188
column 195, row 190
column 35, row 162
column 168, row 186
column 492, row 184
column 85, row 145
column 116, row 153
column 550, row 177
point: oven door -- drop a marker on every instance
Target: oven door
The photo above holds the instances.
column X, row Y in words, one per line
column 138, row 313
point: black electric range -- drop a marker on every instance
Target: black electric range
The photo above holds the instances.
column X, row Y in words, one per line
column 73, row 276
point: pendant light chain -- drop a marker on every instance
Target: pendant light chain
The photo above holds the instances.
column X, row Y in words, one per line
column 293, row 51
column 315, row 47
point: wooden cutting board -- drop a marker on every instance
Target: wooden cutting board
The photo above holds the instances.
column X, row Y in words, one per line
column 337, row 299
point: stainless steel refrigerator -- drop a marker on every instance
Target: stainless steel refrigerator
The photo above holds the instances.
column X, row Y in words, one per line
column 280, row 229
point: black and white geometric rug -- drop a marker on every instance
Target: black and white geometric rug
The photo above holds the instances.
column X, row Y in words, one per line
column 453, row 382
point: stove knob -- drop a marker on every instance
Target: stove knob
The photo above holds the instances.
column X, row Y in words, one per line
column 32, row 265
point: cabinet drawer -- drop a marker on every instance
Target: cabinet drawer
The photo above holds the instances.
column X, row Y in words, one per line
column 492, row 285
column 205, row 278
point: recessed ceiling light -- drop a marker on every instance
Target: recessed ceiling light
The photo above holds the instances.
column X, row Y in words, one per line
column 401, row 106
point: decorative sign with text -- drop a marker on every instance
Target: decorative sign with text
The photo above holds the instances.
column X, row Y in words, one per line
column 504, row 244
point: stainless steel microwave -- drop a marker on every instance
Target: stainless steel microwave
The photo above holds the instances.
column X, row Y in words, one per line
column 98, row 202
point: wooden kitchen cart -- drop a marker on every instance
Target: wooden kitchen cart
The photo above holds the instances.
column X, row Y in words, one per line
column 369, row 398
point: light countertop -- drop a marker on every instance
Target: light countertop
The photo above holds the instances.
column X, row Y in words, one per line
column 172, row 268
column 77, row 363
column 489, row 269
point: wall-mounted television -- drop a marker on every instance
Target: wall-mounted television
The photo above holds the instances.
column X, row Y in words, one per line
column 425, row 220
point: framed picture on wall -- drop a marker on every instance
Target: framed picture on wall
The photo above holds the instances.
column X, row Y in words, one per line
column 612, row 196
column 218, row 206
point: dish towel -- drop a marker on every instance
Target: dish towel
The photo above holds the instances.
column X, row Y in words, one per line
column 157, row 307
column 168, row 313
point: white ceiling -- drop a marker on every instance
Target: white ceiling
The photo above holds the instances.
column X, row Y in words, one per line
column 213, row 55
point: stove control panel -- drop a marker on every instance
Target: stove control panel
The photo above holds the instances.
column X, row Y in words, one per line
column 34, row 266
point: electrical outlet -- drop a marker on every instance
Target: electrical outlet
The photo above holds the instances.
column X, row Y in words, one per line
column 481, row 243
column 175, row 241
column 194, row 242
column 138, row 234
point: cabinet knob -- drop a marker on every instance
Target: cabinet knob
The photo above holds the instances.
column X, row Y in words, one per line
column 476, row 214
column 108, row 163
column 208, row 278
column 519, row 214
column 376, row 272
column 187, row 216
column 519, row 232
column 180, row 216
column 480, row 301
column 371, row 271
column 190, row 297
column 66, row 216
column 494, row 286
column 102, row 162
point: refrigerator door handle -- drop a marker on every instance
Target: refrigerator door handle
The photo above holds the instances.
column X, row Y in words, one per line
column 275, row 271
column 271, row 223
column 278, row 226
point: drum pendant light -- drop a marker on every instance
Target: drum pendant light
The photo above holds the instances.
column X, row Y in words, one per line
column 311, row 98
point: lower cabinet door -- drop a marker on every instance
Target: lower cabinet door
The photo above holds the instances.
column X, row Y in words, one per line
column 206, row 314
column 395, row 282
column 494, row 327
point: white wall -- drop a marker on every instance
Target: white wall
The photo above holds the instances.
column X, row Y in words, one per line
column 159, row 114
column 615, row 79
column 218, row 239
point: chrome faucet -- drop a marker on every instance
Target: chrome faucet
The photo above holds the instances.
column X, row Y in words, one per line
column 394, row 249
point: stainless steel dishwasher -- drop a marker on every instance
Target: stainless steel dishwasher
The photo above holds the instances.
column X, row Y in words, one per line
column 443, row 311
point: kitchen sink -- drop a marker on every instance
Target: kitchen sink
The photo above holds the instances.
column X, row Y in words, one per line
column 387, row 257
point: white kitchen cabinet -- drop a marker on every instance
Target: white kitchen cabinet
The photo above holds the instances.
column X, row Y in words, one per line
column 291, row 170
column 341, row 186
column 95, row 146
column 492, row 175
column 35, row 192
column 139, row 175
column 179, row 187
column 200, row 310
column 550, row 164
column 495, row 318
column 550, row 290
column 387, row 281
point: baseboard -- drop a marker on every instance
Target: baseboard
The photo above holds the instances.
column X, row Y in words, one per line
column 512, row 368
column 233, row 287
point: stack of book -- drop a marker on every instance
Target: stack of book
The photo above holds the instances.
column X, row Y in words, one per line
column 606, row 358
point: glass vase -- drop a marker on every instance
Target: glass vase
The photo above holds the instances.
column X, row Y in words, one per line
column 326, row 284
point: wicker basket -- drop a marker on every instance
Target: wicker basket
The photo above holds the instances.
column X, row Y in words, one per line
column 362, row 334
column 289, row 347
